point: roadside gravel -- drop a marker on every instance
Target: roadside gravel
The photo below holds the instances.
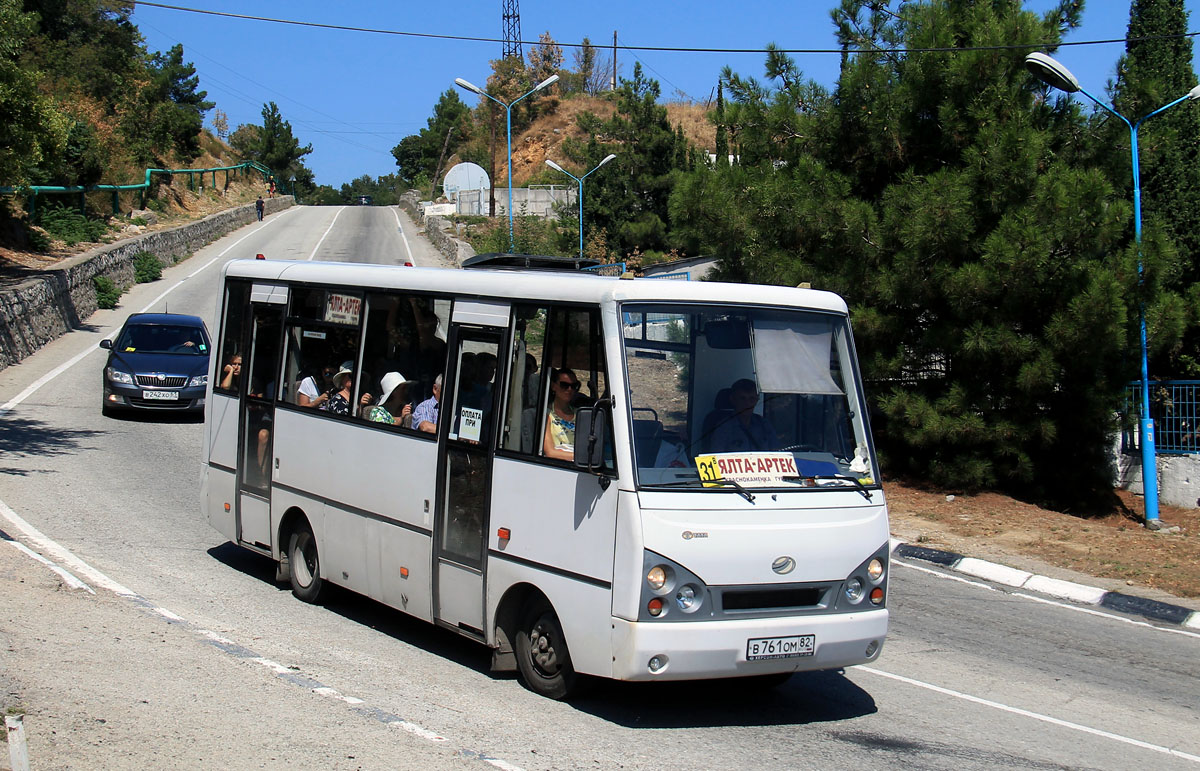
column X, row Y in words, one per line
column 103, row 683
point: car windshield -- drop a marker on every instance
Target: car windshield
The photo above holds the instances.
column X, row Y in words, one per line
column 163, row 338
column 760, row 397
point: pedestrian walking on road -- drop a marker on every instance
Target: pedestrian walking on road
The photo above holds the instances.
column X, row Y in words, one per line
column 258, row 207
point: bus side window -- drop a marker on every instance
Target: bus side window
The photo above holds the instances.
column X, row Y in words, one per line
column 229, row 359
column 319, row 346
column 548, row 341
column 525, row 387
column 404, row 334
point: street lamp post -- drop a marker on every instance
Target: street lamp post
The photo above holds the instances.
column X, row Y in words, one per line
column 554, row 165
column 508, row 121
column 1054, row 74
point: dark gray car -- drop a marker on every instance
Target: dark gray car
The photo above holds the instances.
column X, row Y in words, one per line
column 158, row 361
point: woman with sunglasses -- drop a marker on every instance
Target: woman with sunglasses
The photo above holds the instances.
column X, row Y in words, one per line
column 559, row 439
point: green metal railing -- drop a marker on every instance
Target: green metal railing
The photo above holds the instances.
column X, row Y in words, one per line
column 195, row 181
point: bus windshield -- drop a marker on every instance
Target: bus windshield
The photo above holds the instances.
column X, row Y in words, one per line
column 756, row 397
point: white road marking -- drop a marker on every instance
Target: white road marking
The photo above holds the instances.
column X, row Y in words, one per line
column 396, row 214
column 1033, row 715
column 333, row 694
column 71, row 580
column 318, row 246
column 1045, row 601
column 417, row 730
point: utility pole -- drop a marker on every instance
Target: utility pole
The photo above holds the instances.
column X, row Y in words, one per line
column 614, row 77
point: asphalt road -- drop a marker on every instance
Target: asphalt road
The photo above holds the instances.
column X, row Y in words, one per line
column 201, row 660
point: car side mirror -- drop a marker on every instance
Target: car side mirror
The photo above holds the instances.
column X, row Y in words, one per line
column 592, row 427
column 106, row 343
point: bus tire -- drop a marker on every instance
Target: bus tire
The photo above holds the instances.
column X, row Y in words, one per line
column 542, row 655
column 305, row 565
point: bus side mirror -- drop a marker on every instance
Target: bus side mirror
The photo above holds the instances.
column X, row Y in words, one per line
column 592, row 426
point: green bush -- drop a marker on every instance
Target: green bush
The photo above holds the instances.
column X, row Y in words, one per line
column 137, row 221
column 153, row 204
column 107, row 292
column 146, row 268
column 68, row 225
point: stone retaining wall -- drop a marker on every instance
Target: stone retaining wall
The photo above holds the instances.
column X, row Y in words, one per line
column 59, row 299
column 437, row 230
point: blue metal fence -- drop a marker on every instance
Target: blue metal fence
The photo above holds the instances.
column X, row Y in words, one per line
column 1175, row 407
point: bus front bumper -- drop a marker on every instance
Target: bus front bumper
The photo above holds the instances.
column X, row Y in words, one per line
column 711, row 649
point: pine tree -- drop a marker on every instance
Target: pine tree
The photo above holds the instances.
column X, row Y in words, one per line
column 943, row 194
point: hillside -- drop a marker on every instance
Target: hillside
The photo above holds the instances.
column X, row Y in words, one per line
column 172, row 204
column 543, row 139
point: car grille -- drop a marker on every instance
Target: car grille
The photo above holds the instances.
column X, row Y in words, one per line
column 153, row 381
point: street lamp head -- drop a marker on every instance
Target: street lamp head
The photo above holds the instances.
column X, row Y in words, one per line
column 555, row 166
column 547, row 82
column 1051, row 72
column 611, row 156
column 1194, row 94
column 469, row 86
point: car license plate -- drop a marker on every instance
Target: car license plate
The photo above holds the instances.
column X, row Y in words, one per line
column 161, row 396
column 761, row 648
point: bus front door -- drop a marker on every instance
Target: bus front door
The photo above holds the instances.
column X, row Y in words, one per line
column 465, row 478
column 255, row 454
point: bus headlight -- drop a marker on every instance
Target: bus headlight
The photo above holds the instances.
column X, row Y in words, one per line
column 688, row 598
column 658, row 576
column 875, row 570
column 854, row 590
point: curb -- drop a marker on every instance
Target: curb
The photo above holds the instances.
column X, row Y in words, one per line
column 1066, row 590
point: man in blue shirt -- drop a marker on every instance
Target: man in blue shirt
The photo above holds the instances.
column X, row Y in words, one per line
column 425, row 416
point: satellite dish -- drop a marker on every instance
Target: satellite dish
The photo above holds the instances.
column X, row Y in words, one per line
column 465, row 176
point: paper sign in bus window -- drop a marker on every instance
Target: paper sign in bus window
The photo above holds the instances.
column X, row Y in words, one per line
column 470, row 424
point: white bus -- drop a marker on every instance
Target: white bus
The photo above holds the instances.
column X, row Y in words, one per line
column 704, row 503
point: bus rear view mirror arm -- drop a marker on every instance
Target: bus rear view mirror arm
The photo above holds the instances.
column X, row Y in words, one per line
column 592, row 426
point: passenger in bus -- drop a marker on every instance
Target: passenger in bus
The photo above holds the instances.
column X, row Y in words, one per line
column 343, row 381
column 393, row 406
column 559, row 439
column 231, row 374
column 316, row 390
column 744, row 430
column 531, row 381
column 425, row 415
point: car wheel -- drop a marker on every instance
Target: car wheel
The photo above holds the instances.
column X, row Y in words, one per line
column 305, row 564
column 542, row 655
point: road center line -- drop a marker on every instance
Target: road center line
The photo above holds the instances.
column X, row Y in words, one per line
column 1027, row 713
column 318, row 246
column 396, row 214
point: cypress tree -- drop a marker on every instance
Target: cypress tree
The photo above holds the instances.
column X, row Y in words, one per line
column 1156, row 70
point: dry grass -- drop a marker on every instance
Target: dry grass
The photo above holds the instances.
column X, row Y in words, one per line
column 1114, row 547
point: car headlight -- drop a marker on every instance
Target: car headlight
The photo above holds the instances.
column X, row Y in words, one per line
column 115, row 375
column 199, row 380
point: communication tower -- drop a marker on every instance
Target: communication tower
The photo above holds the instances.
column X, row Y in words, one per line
column 512, row 29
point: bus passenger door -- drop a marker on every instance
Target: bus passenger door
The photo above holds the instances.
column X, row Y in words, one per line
column 465, row 477
column 257, row 423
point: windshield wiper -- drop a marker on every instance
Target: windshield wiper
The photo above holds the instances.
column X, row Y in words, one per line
column 841, row 477
column 727, row 482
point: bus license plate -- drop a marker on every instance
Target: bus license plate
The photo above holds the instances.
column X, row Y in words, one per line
column 162, row 396
column 761, row 648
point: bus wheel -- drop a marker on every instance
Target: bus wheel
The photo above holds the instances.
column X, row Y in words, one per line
column 542, row 654
column 305, row 565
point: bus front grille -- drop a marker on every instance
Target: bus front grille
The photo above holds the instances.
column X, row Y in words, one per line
column 769, row 599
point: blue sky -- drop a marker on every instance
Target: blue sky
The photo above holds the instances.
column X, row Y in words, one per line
column 355, row 95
